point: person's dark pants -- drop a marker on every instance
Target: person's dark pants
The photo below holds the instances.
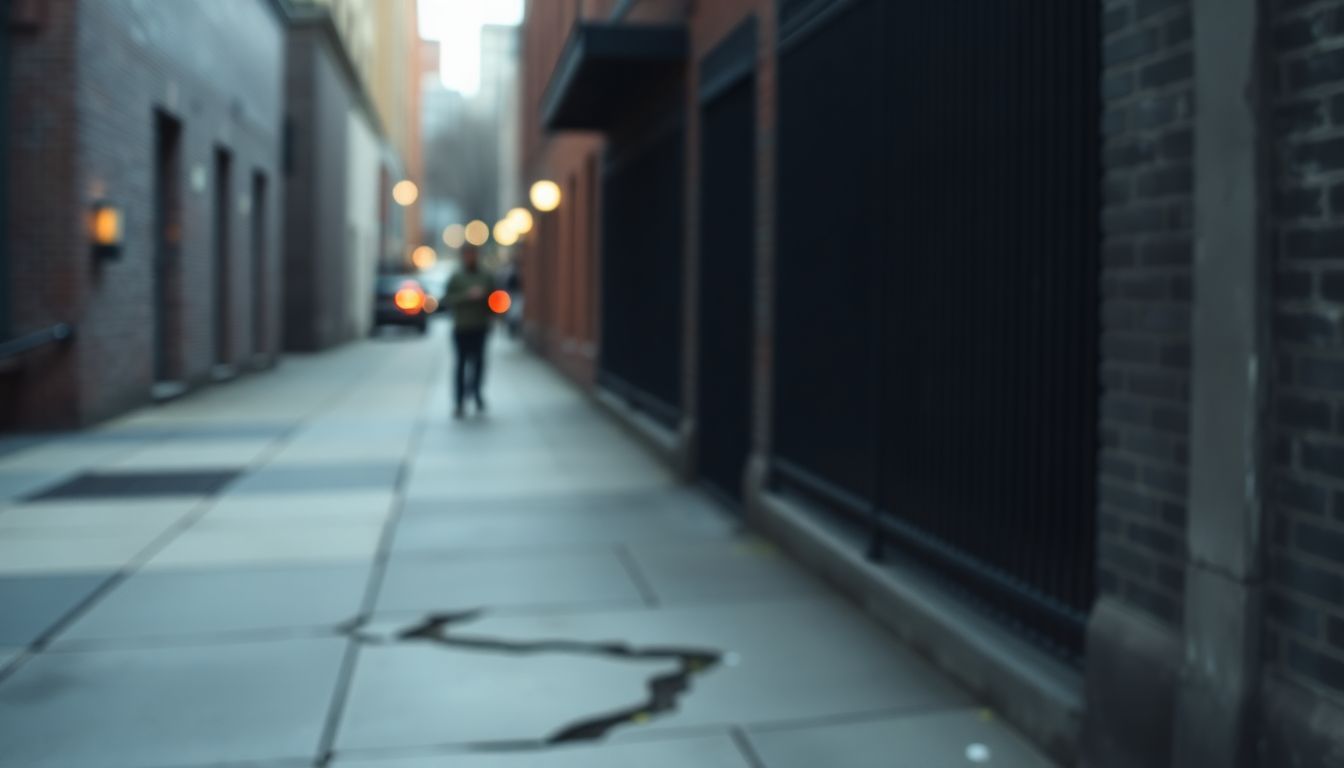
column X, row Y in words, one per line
column 470, row 347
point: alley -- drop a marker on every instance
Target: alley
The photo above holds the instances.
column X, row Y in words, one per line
column 318, row 566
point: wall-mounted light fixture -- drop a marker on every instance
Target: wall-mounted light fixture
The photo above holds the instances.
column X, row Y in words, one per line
column 105, row 230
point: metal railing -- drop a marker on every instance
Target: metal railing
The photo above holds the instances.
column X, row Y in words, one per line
column 56, row 334
column 937, row 301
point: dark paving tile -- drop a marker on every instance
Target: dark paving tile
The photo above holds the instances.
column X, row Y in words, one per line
column 196, row 602
column 202, row 705
column 102, row 485
column 29, row 605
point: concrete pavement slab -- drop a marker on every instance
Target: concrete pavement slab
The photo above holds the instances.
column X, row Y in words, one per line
column 713, row 751
column 784, row 660
column 62, row 553
column 203, row 705
column 372, row 473
column 459, row 526
column 438, row 583
column 30, row 605
column 409, row 695
column 86, row 517
column 169, row 603
column 742, row 568
column 367, row 506
column 189, row 453
column 956, row 739
column 211, row 543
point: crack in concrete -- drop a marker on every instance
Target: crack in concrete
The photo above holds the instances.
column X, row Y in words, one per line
column 664, row 690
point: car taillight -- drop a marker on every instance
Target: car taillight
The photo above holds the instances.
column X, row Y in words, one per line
column 410, row 299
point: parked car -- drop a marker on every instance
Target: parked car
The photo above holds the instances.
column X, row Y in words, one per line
column 400, row 300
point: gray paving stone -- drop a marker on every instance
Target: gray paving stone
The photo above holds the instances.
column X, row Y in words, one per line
column 716, row 751
column 416, row 695
column 743, row 568
column 440, row 583
column 29, row 605
column 560, row 525
column 196, row 602
column 787, row 659
column 169, row 706
column 320, row 477
column 935, row 740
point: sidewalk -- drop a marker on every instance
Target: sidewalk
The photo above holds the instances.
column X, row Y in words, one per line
column 317, row 565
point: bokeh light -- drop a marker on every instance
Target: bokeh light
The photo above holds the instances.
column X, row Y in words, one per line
column 505, row 234
column 405, row 193
column 545, row 195
column 454, row 235
column 410, row 298
column 477, row 232
column 521, row 218
column 424, row 257
column 500, row 302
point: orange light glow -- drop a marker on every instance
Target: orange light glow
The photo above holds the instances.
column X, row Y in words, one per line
column 500, row 302
column 545, row 195
column 478, row 232
column 410, row 299
column 521, row 218
column 505, row 234
column 106, row 226
column 424, row 257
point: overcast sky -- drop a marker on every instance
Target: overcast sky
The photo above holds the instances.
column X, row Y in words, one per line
column 457, row 25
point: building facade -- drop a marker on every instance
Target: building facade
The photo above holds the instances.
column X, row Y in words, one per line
column 166, row 116
column 1021, row 326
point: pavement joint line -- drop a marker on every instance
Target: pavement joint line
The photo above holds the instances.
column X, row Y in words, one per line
column 745, row 747
column 161, row 541
column 637, row 575
column 326, row 751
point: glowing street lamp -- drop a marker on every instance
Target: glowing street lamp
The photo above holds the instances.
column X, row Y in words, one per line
column 405, row 193
column 424, row 257
column 521, row 218
column 545, row 195
column 454, row 235
column 505, row 234
column 477, row 232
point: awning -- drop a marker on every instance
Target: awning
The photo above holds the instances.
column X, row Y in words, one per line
column 604, row 68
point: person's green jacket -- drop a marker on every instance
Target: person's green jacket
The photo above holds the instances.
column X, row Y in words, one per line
column 470, row 314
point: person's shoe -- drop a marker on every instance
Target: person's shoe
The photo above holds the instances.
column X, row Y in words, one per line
column 480, row 405
column 458, row 412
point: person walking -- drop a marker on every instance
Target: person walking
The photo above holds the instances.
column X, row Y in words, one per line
column 468, row 296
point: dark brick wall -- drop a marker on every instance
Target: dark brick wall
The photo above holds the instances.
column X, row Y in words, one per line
column 1305, row 492
column 42, row 228
column 320, row 101
column 1147, row 219
column 215, row 67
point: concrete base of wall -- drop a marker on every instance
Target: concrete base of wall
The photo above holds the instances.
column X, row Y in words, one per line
column 1031, row 689
column 666, row 444
column 1133, row 665
column 1301, row 727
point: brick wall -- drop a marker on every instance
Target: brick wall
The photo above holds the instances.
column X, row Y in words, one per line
column 1305, row 493
column 92, row 77
column 42, row 227
column 1147, row 218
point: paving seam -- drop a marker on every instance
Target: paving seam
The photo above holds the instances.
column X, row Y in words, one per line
column 166, row 537
column 345, row 677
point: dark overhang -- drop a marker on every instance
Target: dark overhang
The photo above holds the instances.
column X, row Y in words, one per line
column 604, row 68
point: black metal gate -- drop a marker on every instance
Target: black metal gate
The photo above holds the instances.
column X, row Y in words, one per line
column 938, row 240
column 727, row 260
column 642, row 269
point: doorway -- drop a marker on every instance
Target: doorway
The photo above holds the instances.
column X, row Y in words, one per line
column 223, row 296
column 167, row 244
